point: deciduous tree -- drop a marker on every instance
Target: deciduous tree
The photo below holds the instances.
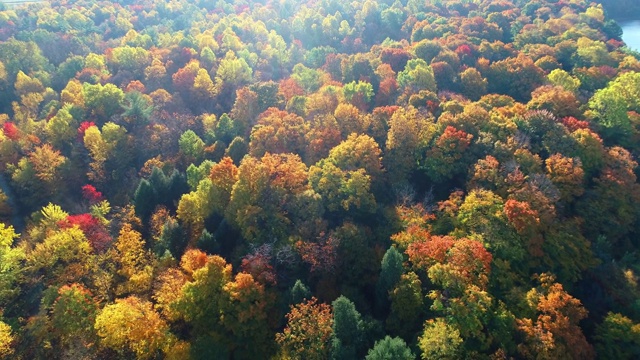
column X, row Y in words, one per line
column 308, row 331
column 266, row 189
column 131, row 327
column 555, row 332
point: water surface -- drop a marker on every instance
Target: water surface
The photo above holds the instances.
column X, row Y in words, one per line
column 631, row 33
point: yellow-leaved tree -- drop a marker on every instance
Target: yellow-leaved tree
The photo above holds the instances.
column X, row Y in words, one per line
column 134, row 262
column 6, row 340
column 133, row 328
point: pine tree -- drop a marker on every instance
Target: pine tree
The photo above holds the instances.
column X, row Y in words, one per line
column 390, row 349
column 390, row 272
column 348, row 330
column 299, row 293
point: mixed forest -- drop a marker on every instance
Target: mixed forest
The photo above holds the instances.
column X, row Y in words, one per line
column 281, row 179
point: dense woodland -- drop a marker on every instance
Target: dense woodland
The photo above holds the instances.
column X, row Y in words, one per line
column 431, row 179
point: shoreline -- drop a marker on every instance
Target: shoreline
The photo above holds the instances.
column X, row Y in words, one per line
column 630, row 32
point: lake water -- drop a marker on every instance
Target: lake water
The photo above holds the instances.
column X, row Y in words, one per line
column 631, row 33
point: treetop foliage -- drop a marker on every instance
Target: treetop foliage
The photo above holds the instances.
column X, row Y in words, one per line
column 318, row 180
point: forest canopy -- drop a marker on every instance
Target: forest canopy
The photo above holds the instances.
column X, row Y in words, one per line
column 318, row 180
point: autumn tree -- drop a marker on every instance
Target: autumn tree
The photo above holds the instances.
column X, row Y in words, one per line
column 184, row 78
column 93, row 226
column 359, row 94
column 211, row 196
column 12, row 268
column 202, row 299
column 417, row 75
column 440, row 341
column 278, row 132
column 308, row 79
column 559, row 77
column 46, row 162
column 128, row 58
column 105, row 146
column 73, row 94
column 31, row 93
column 446, row 158
column 609, row 107
column 103, row 101
column 555, row 332
column 73, row 314
column 268, row 190
column 203, row 87
column 61, row 257
column 483, row 213
column 614, row 193
column 245, row 317
column 341, row 190
column 473, row 85
column 131, row 327
column 232, row 73
column 618, row 337
column 308, row 331
column 134, row 265
column 358, row 152
column 515, row 76
column 41, row 171
column 259, row 265
column 567, row 175
column 461, row 268
column 244, row 113
column 559, row 101
column 323, row 135
column 407, row 130
column 61, row 128
column 407, row 306
column 6, row 340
